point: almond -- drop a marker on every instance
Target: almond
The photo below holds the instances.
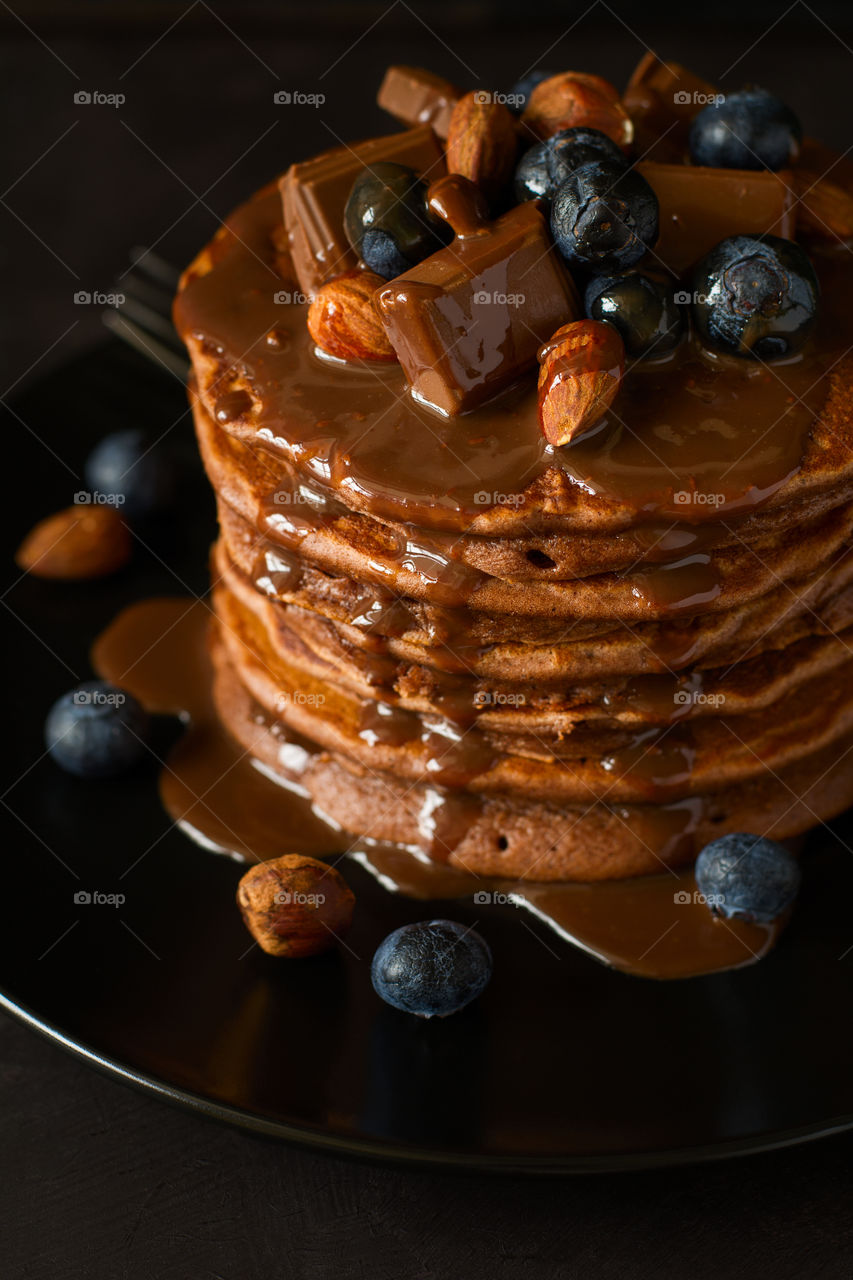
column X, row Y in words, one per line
column 344, row 321
column 572, row 99
column 80, row 542
column 482, row 142
column 824, row 208
column 582, row 367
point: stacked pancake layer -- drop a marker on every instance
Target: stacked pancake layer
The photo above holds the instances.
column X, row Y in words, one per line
column 574, row 664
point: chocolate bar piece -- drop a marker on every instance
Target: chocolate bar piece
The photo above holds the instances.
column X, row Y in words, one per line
column 699, row 207
column 661, row 99
column 314, row 194
column 468, row 321
column 415, row 96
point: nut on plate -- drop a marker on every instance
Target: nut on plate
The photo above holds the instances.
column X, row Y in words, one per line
column 824, row 208
column 295, row 906
column 572, row 99
column 83, row 541
column 344, row 321
column 580, row 374
column 482, row 141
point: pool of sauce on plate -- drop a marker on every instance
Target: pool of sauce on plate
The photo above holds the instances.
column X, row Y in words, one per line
column 654, row 926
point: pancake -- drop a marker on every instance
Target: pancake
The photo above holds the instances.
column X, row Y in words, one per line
column 494, row 836
column 550, row 664
column 540, row 758
column 365, row 548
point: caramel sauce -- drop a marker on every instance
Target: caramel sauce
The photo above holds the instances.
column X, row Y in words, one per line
column 692, row 441
column 695, row 437
column 653, row 926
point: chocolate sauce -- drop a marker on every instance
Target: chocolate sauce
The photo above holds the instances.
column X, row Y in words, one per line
column 660, row 761
column 654, row 926
column 695, row 437
column 454, row 755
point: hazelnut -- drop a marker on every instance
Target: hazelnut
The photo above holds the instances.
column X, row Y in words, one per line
column 574, row 99
column 295, row 906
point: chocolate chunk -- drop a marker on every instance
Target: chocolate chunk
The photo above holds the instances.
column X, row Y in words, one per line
column 468, row 321
column 314, row 194
column 416, row 96
column 699, row 207
column 661, row 99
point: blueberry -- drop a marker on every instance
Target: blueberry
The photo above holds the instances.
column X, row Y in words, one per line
column 129, row 464
column 432, row 968
column 546, row 166
column 755, row 296
column 604, row 217
column 379, row 252
column 642, row 309
column 747, row 877
column 391, row 199
column 519, row 94
column 96, row 730
column 752, row 129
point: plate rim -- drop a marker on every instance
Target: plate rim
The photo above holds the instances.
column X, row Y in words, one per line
column 376, row 1150
column 412, row 1156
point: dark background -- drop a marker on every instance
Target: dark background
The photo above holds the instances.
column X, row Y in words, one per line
column 98, row 1181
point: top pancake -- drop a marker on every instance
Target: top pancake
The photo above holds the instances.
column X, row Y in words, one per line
column 698, row 439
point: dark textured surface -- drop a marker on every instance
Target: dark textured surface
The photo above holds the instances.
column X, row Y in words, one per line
column 98, row 1181
column 102, row 1183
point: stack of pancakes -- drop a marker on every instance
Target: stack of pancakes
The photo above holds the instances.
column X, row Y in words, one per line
column 570, row 664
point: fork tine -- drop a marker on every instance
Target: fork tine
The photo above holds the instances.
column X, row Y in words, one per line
column 154, row 321
column 143, row 319
column 146, row 344
column 151, row 292
column 155, row 266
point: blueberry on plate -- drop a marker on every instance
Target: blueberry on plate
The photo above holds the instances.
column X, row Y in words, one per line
column 644, row 311
column 390, row 199
column 747, row 877
column 130, row 466
column 604, row 217
column 96, row 730
column 752, row 129
column 522, row 89
column 546, row 166
column 755, row 296
column 432, row 968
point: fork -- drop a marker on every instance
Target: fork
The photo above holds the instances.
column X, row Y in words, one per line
column 143, row 318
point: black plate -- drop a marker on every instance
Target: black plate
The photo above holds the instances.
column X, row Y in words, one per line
column 562, row 1065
